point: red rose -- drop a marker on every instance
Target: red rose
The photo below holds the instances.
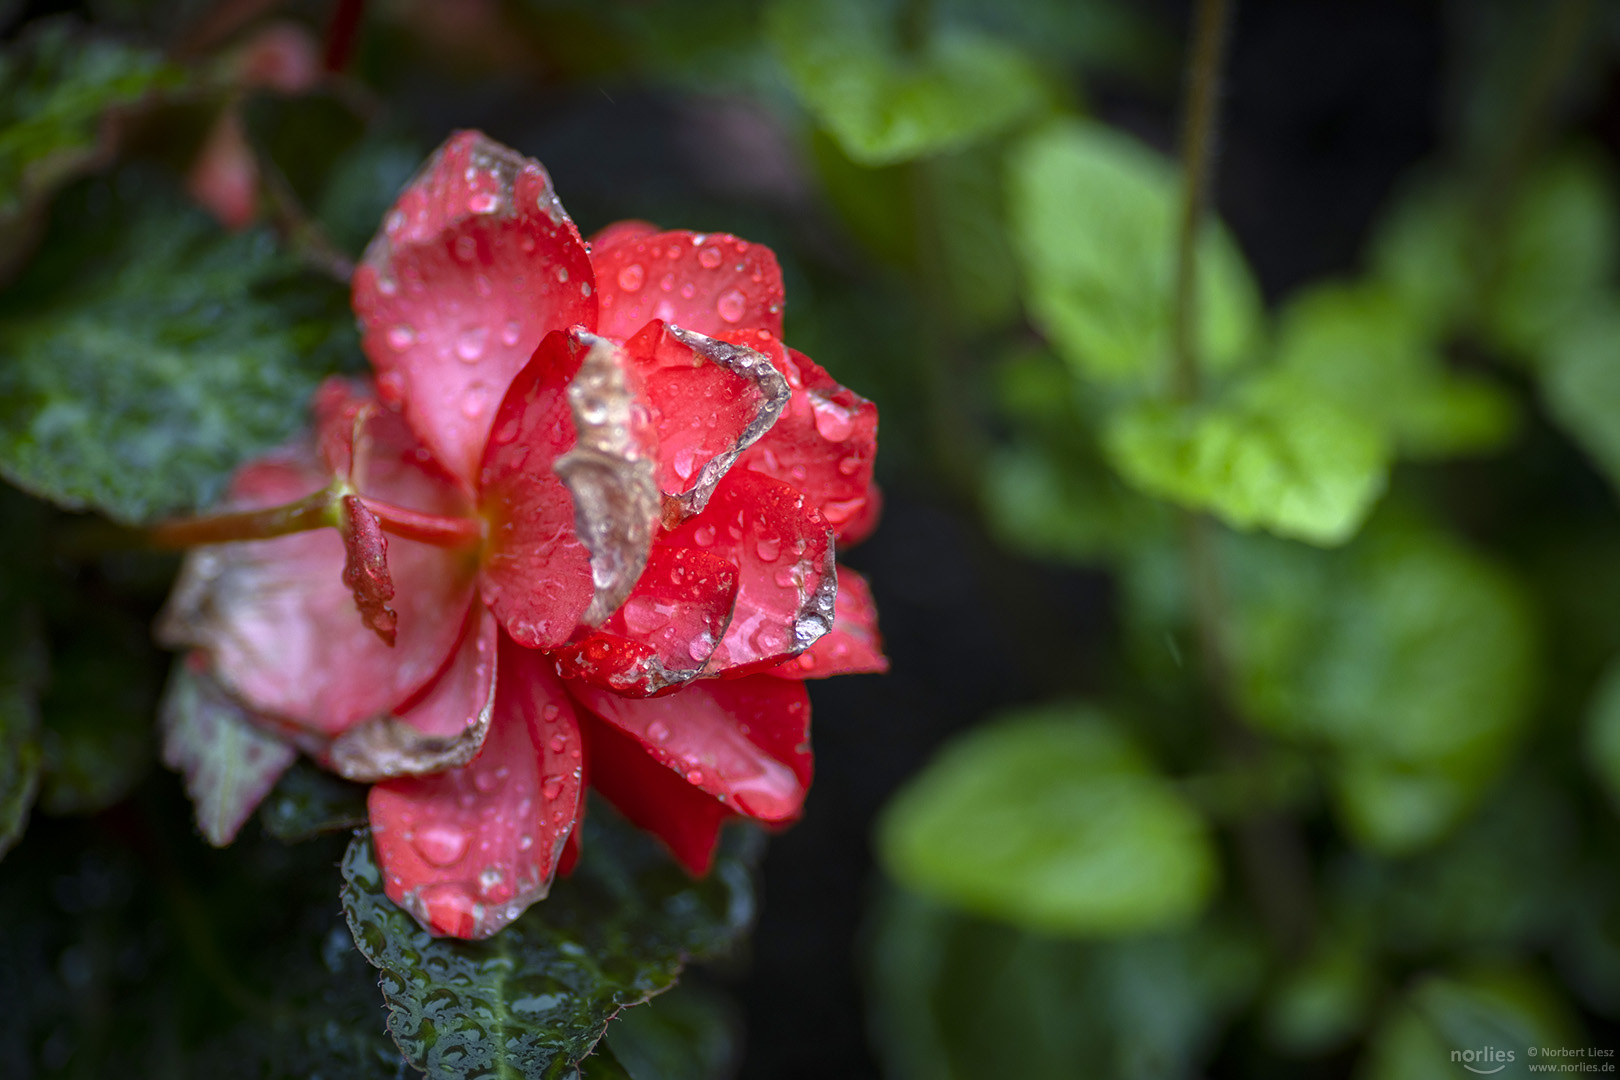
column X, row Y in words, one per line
column 602, row 499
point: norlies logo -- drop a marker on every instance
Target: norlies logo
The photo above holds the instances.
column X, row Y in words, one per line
column 1484, row 1062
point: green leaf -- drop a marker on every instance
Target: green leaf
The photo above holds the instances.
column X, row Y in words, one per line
column 56, row 91
column 1410, row 658
column 1580, row 384
column 534, row 999
column 1321, row 1004
column 1052, row 820
column 688, row 1033
column 308, row 801
column 22, row 666
column 957, row 998
column 1273, row 455
column 1603, row 734
column 1486, row 1020
column 229, row 764
column 147, row 353
column 1094, row 219
column 885, row 103
column 1361, row 347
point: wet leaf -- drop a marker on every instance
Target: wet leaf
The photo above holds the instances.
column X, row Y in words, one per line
column 308, row 801
column 1093, row 217
column 534, row 999
column 1053, row 820
column 146, row 353
column 688, row 1033
column 885, row 103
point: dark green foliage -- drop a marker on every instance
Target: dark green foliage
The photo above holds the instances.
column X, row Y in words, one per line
column 533, row 1000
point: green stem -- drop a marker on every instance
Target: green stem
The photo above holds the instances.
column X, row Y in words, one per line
column 1197, row 154
column 320, row 510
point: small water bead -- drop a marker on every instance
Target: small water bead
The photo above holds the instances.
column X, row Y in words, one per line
column 475, row 401
column 710, row 257
column 391, row 387
column 833, row 420
column 482, row 284
column 667, row 284
column 440, row 844
column 562, row 274
column 527, row 244
column 387, row 286
column 642, row 615
column 550, row 712
column 511, row 332
column 632, row 277
column 694, row 776
column 470, row 344
column 484, row 202
column 401, row 337
column 685, row 462
column 704, row 535
column 673, row 251
column 658, row 731
column 688, row 291
column 731, row 306
column 665, row 311
column 850, row 466
column 396, row 222
column 551, row 788
column 486, row 782
column 525, row 842
column 466, row 248
column 768, row 548
column 559, row 743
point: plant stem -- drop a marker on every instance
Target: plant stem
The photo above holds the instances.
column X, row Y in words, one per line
column 1270, row 849
column 320, row 510
column 1197, row 154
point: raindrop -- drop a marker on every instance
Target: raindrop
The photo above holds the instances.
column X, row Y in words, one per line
column 475, row 401
column 466, row 248
column 667, row 283
column 832, row 419
column 559, row 743
column 481, row 283
column 641, row 615
column 703, row 535
column 552, row 788
column 710, row 257
column 470, row 344
column 401, row 337
column 528, row 245
column 849, row 466
column 486, row 782
column 441, row 844
column 483, row 203
column 562, row 274
column 525, row 842
column 391, row 387
column 387, row 286
column 688, row 291
column 685, row 462
column 731, row 306
column 694, row 776
column 768, row 548
column 396, row 221
column 658, row 731
column 632, row 277
column 511, row 332
column 550, row 712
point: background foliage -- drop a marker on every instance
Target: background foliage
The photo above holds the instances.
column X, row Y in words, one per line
column 1256, row 695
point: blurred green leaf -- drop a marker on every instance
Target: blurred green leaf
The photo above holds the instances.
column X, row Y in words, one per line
column 1322, row 1003
column 1275, row 454
column 1477, row 1020
column 57, row 89
column 1050, row 819
column 979, row 266
column 534, row 999
column 22, row 671
column 1093, row 218
column 146, row 353
column 308, row 801
column 956, row 998
column 886, row 102
column 686, row 1033
column 1603, row 734
column 1580, row 384
column 1361, row 347
column 229, row 765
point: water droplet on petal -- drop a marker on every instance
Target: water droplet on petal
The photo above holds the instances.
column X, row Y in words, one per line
column 558, row 744
column 470, row 343
column 710, row 257
column 562, row 274
column 481, row 283
column 484, row 202
column 685, row 462
column 511, row 332
column 731, row 305
column 552, row 787
column 401, row 337
column 703, row 535
column 391, row 387
column 850, row 466
column 550, row 712
column 688, row 291
column 440, row 844
column 832, row 419
column 694, row 776
column 768, row 548
column 658, row 731
column 525, row 842
column 632, row 277
column 528, row 245
column 466, row 248
column 475, row 401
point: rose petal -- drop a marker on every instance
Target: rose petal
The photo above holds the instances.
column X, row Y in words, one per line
column 567, row 488
column 664, row 632
column 783, row 550
column 744, row 741
column 825, row 440
column 365, row 568
column 620, row 232
column 441, row 728
column 224, row 178
column 370, row 444
column 862, row 523
column 711, row 400
column 687, row 819
column 476, row 263
column 709, row 283
column 852, row 647
column 284, row 637
column 466, row 851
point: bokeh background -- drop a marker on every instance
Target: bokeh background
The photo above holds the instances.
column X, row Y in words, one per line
column 1378, row 825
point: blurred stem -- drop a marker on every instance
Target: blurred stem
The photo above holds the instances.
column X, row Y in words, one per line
column 317, row 511
column 1197, row 155
column 1270, row 849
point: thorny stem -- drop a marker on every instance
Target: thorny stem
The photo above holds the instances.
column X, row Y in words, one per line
column 1269, row 847
column 1197, row 155
column 317, row 511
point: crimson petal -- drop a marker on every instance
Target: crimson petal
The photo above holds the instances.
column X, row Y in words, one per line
column 567, row 488
column 710, row 283
column 744, row 741
column 283, row 638
column 823, row 443
column 665, row 631
column 853, row 646
column 687, row 819
column 467, row 851
column 475, row 264
column 441, row 728
column 711, row 401
column 783, row 550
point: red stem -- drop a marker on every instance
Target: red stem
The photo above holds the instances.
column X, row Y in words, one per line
column 317, row 511
column 445, row 532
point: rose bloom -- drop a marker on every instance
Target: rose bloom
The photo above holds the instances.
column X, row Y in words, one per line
column 580, row 529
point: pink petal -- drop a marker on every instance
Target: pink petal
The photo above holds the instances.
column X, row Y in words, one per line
column 709, row 283
column 853, row 646
column 783, row 551
column 476, row 263
column 711, row 400
column 687, row 819
column 440, row 728
column 365, row 568
column 620, row 232
column 224, row 178
column 567, row 488
column 823, row 443
column 281, row 633
column 466, row 851
column 744, row 741
column 665, row 632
